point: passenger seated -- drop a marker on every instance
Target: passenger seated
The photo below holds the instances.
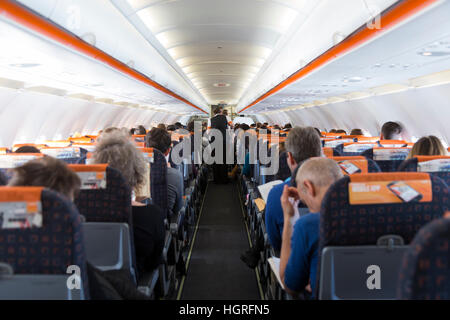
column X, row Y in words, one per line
column 118, row 152
column 160, row 139
column 126, row 132
column 427, row 146
column 54, row 174
column 141, row 130
column 392, row 131
column 27, row 149
column 356, row 132
column 301, row 144
column 299, row 251
column 110, row 129
column 342, row 131
column 318, row 132
column 161, row 126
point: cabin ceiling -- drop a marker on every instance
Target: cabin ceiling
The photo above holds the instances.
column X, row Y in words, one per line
column 233, row 51
column 223, row 46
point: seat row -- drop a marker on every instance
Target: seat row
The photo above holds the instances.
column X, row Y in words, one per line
column 52, row 234
column 399, row 232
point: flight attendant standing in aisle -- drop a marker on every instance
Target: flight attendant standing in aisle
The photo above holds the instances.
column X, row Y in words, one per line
column 219, row 122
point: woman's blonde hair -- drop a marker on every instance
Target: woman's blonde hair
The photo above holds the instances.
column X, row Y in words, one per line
column 427, row 146
column 118, row 151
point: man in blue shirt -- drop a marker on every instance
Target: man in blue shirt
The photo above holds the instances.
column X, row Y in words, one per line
column 302, row 143
column 300, row 241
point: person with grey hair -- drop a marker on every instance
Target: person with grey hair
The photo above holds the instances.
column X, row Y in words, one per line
column 301, row 144
column 118, row 152
column 299, row 250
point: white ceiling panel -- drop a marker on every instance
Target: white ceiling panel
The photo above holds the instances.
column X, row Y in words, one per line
column 219, row 42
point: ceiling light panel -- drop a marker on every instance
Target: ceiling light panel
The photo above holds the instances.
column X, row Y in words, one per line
column 313, row 38
column 219, row 41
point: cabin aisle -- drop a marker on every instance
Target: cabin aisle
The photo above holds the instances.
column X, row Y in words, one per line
column 215, row 269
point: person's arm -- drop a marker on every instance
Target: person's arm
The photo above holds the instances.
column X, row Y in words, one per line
column 180, row 193
column 174, row 197
column 272, row 209
column 288, row 212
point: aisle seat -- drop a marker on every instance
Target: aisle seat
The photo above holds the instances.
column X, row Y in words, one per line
column 361, row 209
column 41, row 233
column 425, row 269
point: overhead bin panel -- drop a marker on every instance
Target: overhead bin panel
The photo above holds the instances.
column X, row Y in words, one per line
column 119, row 39
column 222, row 36
column 374, row 69
column 336, row 71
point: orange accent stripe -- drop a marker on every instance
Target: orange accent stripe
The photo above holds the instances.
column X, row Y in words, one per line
column 328, row 152
column 20, row 194
column 27, row 18
column 388, row 142
column 80, row 140
column 388, row 176
column 146, row 150
column 88, row 167
column 391, row 148
column 404, row 10
column 429, row 158
column 348, row 158
column 23, row 154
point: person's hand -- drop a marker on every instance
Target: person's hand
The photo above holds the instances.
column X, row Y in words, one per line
column 288, row 208
column 308, row 288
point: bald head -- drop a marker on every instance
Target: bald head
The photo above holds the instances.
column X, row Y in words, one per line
column 314, row 178
column 320, row 171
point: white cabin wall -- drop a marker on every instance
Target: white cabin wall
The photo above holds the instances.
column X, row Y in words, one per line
column 28, row 116
column 423, row 111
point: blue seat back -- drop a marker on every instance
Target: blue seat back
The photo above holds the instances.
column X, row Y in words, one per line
column 343, row 224
column 49, row 249
column 112, row 204
column 425, row 271
column 411, row 165
column 158, row 181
